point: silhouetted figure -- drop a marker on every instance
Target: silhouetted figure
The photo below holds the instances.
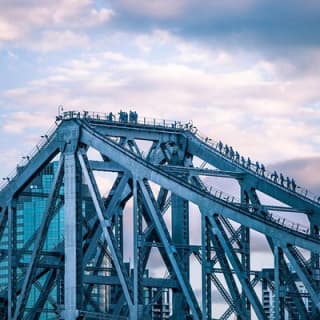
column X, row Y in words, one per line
column 135, row 117
column 226, row 149
column 220, row 146
column 294, row 185
column 262, row 169
column 257, row 167
column 274, row 176
column 121, row 116
column 243, row 161
column 237, row 156
column 131, row 116
column 110, row 116
column 249, row 163
column 288, row 183
column 281, row 179
column 231, row 153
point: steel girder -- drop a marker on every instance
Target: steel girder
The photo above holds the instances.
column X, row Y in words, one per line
column 98, row 238
column 199, row 197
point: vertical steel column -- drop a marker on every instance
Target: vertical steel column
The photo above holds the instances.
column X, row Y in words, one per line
column 134, row 314
column 206, row 269
column 315, row 263
column 12, row 249
column 116, row 290
column 180, row 238
column 72, row 237
column 245, row 250
column 279, row 294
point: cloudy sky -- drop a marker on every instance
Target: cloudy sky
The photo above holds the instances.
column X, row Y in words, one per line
column 246, row 71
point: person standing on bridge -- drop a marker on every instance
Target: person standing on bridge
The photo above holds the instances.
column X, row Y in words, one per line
column 274, row 176
column 121, row 117
column 226, row 150
column 288, row 183
column 220, row 146
column 249, row 163
column 131, row 116
column 243, row 161
column 262, row 170
column 231, row 153
column 293, row 184
column 110, row 116
column 281, row 179
column 257, row 167
column 237, row 156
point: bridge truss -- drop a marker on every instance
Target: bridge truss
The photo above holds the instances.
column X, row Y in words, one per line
column 159, row 196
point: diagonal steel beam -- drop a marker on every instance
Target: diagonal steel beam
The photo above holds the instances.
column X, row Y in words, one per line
column 228, row 275
column 40, row 240
column 230, row 310
column 35, row 312
column 170, row 249
column 106, row 229
column 304, row 277
column 182, row 188
column 113, row 206
column 285, row 274
column 234, row 260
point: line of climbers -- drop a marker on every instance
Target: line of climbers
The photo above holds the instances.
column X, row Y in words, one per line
column 259, row 168
column 131, row 117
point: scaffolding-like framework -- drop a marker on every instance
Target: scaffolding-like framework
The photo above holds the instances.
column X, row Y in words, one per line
column 157, row 171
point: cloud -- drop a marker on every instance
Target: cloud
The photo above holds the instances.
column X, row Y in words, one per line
column 275, row 119
column 23, row 20
column 303, row 170
column 56, row 40
column 271, row 27
column 18, row 122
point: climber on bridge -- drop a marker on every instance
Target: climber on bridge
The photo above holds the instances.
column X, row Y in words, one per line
column 231, row 153
column 288, row 183
column 110, row 116
column 281, row 179
column 274, row 176
column 220, row 146
column 237, row 156
column 243, row 161
column 133, row 116
column 262, row 169
column 293, row 184
column 249, row 163
column 257, row 167
column 123, row 116
column 226, row 149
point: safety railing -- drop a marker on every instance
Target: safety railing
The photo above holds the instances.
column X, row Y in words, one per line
column 252, row 209
column 45, row 139
column 254, row 167
column 124, row 118
column 218, row 194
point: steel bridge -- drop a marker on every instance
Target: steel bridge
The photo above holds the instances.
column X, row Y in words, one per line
column 159, row 197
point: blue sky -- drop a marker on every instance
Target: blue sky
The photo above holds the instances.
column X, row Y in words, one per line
column 246, row 71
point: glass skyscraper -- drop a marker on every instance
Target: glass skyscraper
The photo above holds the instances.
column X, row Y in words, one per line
column 30, row 207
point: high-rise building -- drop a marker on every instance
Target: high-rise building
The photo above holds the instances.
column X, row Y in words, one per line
column 30, row 208
column 268, row 298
